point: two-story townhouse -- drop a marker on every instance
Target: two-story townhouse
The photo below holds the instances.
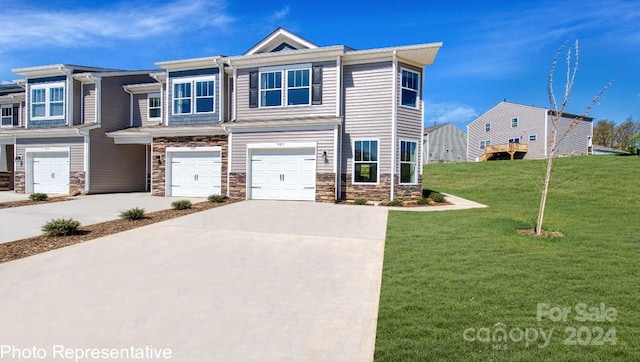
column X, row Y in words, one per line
column 529, row 128
column 12, row 107
column 61, row 147
column 289, row 120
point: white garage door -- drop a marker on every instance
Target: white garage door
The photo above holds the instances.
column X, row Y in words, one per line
column 196, row 174
column 283, row 174
column 50, row 172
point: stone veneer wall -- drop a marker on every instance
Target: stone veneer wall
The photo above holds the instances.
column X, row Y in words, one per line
column 326, row 187
column 159, row 149
column 19, row 182
column 238, row 185
column 76, row 182
column 408, row 192
column 373, row 192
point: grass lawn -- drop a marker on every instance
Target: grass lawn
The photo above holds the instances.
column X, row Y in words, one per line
column 452, row 281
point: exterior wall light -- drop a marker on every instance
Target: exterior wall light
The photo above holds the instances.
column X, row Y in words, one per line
column 19, row 160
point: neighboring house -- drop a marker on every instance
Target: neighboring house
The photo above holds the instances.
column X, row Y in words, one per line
column 60, row 146
column 286, row 120
column 12, row 107
column 444, row 143
column 604, row 150
column 528, row 128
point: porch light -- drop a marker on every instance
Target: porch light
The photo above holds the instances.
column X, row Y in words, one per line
column 157, row 159
column 18, row 159
column 325, row 157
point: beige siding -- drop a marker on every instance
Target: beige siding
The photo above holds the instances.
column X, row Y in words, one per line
column 89, row 107
column 409, row 124
column 77, row 102
column 530, row 122
column 367, row 111
column 324, row 140
column 327, row 108
column 576, row 142
column 75, row 144
column 140, row 110
column 115, row 101
column 115, row 168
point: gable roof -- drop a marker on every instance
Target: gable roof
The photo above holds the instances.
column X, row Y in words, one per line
column 280, row 40
column 57, row 69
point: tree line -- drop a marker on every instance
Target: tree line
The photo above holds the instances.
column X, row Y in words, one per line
column 624, row 136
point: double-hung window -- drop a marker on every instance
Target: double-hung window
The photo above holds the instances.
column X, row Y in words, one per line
column 365, row 161
column 154, row 106
column 47, row 101
column 7, row 115
column 298, row 87
column 410, row 88
column 514, row 122
column 487, row 127
column 271, row 89
column 408, row 162
column 484, row 144
column 193, row 96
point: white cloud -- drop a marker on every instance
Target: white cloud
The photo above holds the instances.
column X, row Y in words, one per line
column 280, row 15
column 32, row 27
column 444, row 112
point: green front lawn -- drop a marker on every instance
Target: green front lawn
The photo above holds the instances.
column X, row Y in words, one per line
column 450, row 278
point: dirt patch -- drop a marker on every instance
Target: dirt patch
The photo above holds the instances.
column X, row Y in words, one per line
column 39, row 244
column 532, row 232
column 6, row 205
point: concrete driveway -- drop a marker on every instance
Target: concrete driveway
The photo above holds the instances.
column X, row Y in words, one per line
column 251, row 281
column 26, row 221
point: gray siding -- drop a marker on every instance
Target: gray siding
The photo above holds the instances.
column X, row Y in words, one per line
column 409, row 124
column 327, row 108
column 324, row 140
column 447, row 143
column 44, row 123
column 89, row 106
column 531, row 121
column 192, row 119
column 576, row 142
column 367, row 111
column 77, row 103
column 75, row 144
column 140, row 102
column 115, row 168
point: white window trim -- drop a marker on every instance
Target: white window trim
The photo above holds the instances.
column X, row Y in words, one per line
column 192, row 81
column 484, row 144
column 47, row 102
column 485, row 127
column 535, row 138
column 149, row 96
column 517, row 122
column 418, row 98
column 7, row 106
column 414, row 182
column 353, row 162
column 284, row 71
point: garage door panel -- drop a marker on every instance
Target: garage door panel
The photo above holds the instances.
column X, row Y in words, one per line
column 195, row 174
column 283, row 174
column 50, row 172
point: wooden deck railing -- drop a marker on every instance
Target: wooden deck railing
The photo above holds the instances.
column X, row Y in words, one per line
column 510, row 148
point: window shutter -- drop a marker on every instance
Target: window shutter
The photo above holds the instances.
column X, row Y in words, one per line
column 253, row 90
column 316, row 88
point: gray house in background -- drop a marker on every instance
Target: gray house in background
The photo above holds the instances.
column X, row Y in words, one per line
column 444, row 143
column 527, row 127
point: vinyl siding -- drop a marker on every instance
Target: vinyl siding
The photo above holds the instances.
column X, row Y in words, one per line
column 530, row 122
column 326, row 109
column 192, row 119
column 576, row 141
column 89, row 107
column 140, row 110
column 367, row 111
column 324, row 140
column 77, row 103
column 115, row 168
column 46, row 122
column 447, row 137
column 409, row 124
column 75, row 144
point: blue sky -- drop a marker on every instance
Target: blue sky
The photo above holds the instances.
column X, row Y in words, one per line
column 492, row 50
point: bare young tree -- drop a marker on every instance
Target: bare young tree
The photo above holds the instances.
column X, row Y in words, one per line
column 558, row 135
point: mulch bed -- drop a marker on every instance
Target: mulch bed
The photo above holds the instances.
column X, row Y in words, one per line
column 39, row 244
column 6, row 205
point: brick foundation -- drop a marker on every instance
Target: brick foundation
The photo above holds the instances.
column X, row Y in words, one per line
column 238, row 185
column 326, row 187
column 159, row 150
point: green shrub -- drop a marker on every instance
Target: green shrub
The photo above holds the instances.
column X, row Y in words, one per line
column 38, row 196
column 396, row 202
column 423, row 201
column 181, row 204
column 436, row 197
column 360, row 201
column 215, row 198
column 60, row 227
column 132, row 214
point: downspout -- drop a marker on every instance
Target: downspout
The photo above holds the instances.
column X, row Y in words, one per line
column 163, row 95
column 87, row 154
column 68, row 94
column 235, row 91
column 229, row 160
column 394, row 121
column 422, row 137
column 338, row 132
column 220, row 91
column 130, row 106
